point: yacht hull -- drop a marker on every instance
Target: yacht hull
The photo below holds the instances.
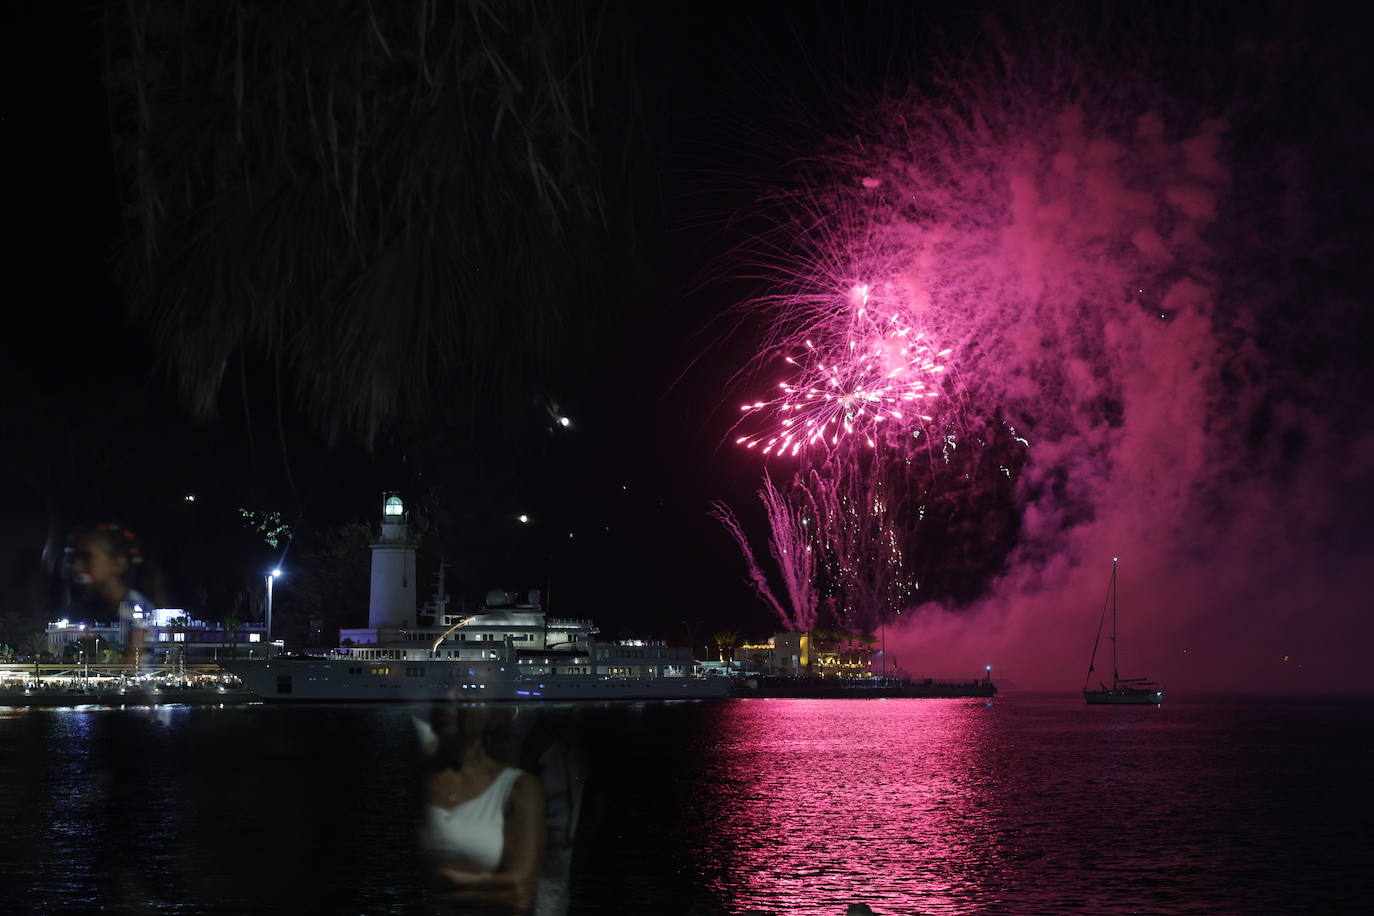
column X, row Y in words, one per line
column 131, row 697
column 339, row 681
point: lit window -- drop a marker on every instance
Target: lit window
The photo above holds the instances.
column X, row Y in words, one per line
column 162, row 637
column 255, row 637
column 178, row 637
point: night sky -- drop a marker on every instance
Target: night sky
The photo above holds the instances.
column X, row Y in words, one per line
column 1223, row 449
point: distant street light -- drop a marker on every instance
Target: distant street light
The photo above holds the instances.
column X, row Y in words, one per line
column 81, row 647
column 524, row 519
column 274, row 574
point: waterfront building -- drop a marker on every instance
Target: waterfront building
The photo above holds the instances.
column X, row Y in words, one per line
column 818, row 653
column 168, row 633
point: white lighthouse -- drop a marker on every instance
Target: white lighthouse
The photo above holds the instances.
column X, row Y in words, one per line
column 391, row 603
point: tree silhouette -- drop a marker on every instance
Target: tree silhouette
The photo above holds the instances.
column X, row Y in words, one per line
column 360, row 200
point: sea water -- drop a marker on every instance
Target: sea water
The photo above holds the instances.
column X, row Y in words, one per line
column 1030, row 803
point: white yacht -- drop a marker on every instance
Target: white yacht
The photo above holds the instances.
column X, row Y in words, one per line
column 515, row 653
column 504, row 651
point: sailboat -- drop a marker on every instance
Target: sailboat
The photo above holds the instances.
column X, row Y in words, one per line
column 1125, row 691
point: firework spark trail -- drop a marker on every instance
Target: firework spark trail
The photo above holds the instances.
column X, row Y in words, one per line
column 757, row 578
column 790, row 542
column 861, row 536
column 871, row 370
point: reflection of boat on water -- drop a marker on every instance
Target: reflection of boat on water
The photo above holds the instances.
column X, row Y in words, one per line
column 1124, row 691
column 503, row 654
column 40, row 694
column 856, row 688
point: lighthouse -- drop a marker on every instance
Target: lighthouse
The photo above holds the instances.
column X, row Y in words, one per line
column 391, row 603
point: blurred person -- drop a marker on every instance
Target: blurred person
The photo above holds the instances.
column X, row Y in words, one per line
column 483, row 827
column 555, row 752
column 106, row 563
column 549, row 748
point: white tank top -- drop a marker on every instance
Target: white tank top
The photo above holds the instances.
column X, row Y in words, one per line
column 475, row 830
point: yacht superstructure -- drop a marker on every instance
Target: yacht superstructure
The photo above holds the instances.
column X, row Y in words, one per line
column 515, row 653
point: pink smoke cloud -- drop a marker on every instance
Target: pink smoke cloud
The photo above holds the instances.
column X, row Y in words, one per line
column 1076, row 245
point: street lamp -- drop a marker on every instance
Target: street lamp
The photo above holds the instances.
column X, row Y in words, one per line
column 274, row 574
column 85, row 656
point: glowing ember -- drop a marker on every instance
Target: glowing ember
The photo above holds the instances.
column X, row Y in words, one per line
column 872, row 367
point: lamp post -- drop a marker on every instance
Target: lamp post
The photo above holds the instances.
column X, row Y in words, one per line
column 274, row 574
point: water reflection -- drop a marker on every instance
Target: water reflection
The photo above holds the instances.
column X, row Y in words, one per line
column 1037, row 804
column 825, row 803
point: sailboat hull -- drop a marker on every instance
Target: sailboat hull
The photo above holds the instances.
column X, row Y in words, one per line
column 1124, row 697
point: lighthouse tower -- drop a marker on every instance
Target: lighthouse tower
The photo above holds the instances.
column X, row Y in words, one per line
column 392, row 600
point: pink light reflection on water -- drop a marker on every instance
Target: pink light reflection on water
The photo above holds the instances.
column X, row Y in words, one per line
column 823, row 803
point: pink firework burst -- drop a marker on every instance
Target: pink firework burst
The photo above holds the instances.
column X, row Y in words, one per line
column 865, row 370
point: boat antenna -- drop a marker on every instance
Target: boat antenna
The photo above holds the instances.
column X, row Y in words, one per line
column 1110, row 596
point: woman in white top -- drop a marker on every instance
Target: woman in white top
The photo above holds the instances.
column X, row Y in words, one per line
column 484, row 820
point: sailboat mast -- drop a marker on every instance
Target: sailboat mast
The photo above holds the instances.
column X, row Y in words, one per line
column 1115, row 675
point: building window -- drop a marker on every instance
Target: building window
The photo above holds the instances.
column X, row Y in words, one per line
column 178, row 637
column 255, row 637
column 163, row 637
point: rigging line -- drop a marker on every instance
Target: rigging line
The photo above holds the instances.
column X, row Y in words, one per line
column 1100, row 621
